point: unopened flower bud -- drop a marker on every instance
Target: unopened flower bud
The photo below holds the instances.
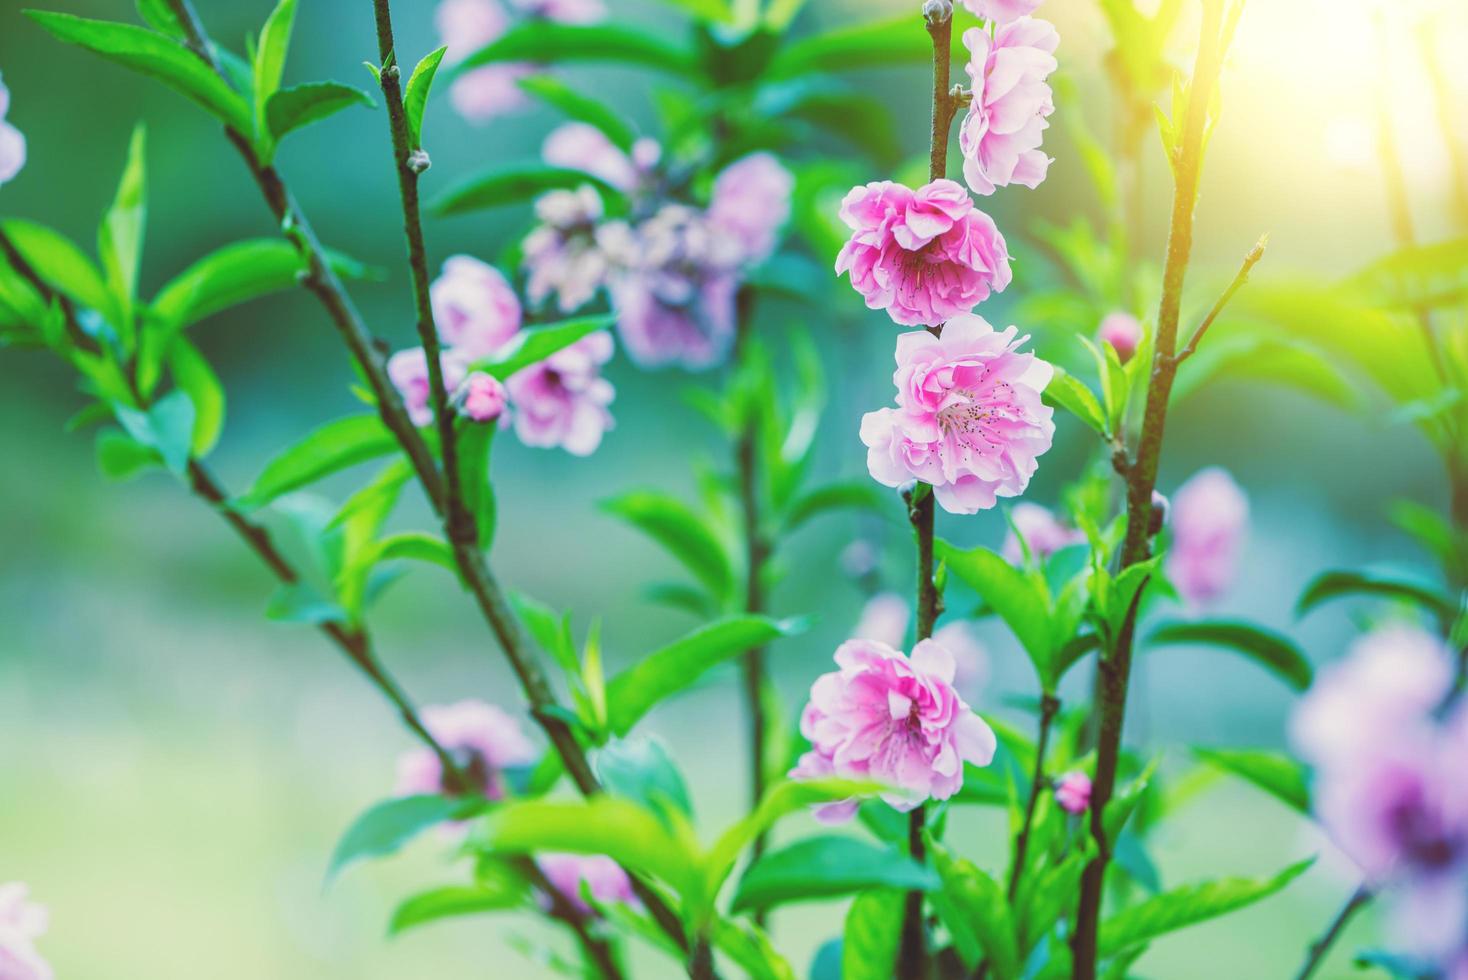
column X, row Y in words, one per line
column 1073, row 792
column 937, row 11
column 481, row 398
column 1123, row 332
column 1157, row 520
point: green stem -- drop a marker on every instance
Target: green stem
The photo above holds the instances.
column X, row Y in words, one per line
column 1049, row 707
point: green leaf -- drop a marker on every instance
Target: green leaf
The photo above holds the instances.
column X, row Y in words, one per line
column 159, row 16
column 682, row 532
column 415, row 99
column 1340, row 583
column 326, row 450
column 632, row 693
column 120, row 238
column 455, row 900
column 550, row 43
column 155, row 55
column 167, row 426
column 300, row 602
column 873, row 936
column 235, row 274
column 417, row 546
column 852, row 494
column 1419, row 277
column 359, row 520
column 641, row 770
column 121, row 457
column 1070, row 393
column 270, row 54
column 513, row 184
column 826, row 867
column 386, row 827
column 62, row 265
column 883, row 43
column 475, row 444
column 535, row 344
column 1274, row 772
column 974, row 908
column 1018, row 597
column 300, row 105
column 842, row 110
column 575, row 104
column 1272, row 651
column 1191, row 904
column 195, row 378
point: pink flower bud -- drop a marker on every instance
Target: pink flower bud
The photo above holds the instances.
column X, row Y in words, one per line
column 408, row 371
column 1123, row 332
column 1073, row 792
column 481, row 397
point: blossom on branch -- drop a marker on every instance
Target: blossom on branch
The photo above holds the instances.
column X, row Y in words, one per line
column 968, row 421
column 1123, row 332
column 562, row 401
column 474, row 306
column 1001, row 135
column 1042, row 532
column 408, row 371
column 482, row 740
column 480, row 94
column 751, row 203
column 481, row 398
column 1209, row 516
column 1001, row 11
column 562, row 257
column 12, row 143
column 602, row 877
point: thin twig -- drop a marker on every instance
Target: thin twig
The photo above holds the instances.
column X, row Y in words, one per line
column 1321, row 947
column 1049, row 706
column 563, row 910
column 1255, row 254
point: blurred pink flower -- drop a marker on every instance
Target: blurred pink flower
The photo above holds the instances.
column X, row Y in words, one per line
column 581, row 146
column 480, row 94
column 481, row 738
column 673, row 287
column 1123, row 332
column 1043, row 534
column 561, row 253
column 474, row 306
column 970, row 657
column 893, row 720
column 408, row 371
column 1073, row 792
column 563, row 11
column 968, row 421
column 1390, row 682
column 603, row 878
column 1001, row 134
column 924, row 255
column 562, row 401
column 884, row 619
column 12, row 143
column 1209, row 517
column 22, row 922
column 751, row 203
column 1001, row 11
column 481, row 398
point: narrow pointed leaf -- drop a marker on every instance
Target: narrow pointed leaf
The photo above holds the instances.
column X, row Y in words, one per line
column 389, row 825
column 329, row 449
column 827, row 867
column 575, row 104
column 415, row 98
column 300, row 105
column 1274, row 772
column 1273, row 651
column 547, row 42
column 456, row 900
column 504, row 185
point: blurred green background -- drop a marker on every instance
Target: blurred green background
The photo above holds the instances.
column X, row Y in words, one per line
column 174, row 769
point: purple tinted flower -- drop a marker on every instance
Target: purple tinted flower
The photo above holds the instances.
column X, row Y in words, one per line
column 562, row 401
column 1043, row 534
column 1073, row 792
column 894, row 720
column 1209, row 517
column 408, row 371
column 1001, row 11
column 968, row 421
column 599, row 874
column 581, row 146
column 12, row 143
column 883, row 620
column 561, row 254
column 563, row 11
column 1001, row 134
column 751, row 203
column 22, row 922
column 474, row 306
column 480, row 94
column 483, row 740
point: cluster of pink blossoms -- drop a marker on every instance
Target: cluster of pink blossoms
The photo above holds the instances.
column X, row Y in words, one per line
column 894, row 720
column 22, row 922
column 968, row 421
column 12, row 143
column 1389, row 783
column 465, row 26
column 561, row 401
column 672, row 273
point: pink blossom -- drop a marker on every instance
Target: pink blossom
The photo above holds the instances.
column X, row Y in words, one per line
column 408, row 371
column 1043, row 534
column 481, row 738
column 481, row 397
column 970, row 657
column 924, row 255
column 883, row 620
column 1073, row 792
column 562, row 401
column 673, row 287
column 1123, row 332
column 474, row 306
column 561, row 253
column 581, row 146
column 22, row 922
column 894, row 720
column 968, row 421
column 563, row 11
column 751, row 203
column 12, row 143
column 600, row 875
column 1209, row 517
column 1001, row 134
column 482, row 93
column 1001, row 11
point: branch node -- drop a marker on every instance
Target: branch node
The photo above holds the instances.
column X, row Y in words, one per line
column 418, row 161
column 937, row 12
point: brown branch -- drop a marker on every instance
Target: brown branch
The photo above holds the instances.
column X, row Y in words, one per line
column 1318, row 949
column 1049, row 706
column 1255, row 254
